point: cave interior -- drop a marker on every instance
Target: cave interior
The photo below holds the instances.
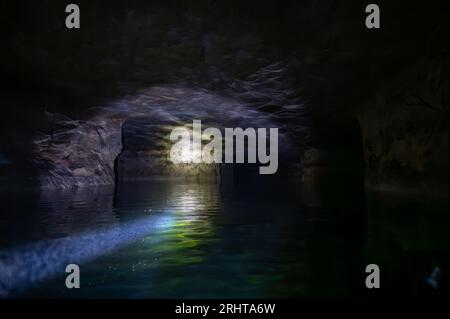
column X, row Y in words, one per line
column 362, row 117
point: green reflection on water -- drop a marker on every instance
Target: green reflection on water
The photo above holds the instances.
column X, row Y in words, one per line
column 181, row 243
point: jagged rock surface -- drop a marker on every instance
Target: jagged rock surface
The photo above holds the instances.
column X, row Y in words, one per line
column 135, row 129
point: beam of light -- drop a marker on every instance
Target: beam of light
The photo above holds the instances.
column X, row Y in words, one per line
column 27, row 266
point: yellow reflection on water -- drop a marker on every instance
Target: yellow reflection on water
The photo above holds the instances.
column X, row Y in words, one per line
column 194, row 208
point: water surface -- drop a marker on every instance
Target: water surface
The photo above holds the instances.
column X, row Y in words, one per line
column 168, row 239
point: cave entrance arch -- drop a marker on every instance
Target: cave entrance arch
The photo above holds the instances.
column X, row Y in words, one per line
column 145, row 156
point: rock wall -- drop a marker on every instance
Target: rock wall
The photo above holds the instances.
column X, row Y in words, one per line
column 128, row 137
column 78, row 153
column 405, row 130
column 146, row 153
column 391, row 79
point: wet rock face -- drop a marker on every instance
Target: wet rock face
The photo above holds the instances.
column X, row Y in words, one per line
column 145, row 154
column 333, row 68
column 78, row 153
column 128, row 138
column 146, row 142
column 405, row 131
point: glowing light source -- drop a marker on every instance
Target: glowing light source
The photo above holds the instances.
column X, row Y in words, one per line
column 184, row 154
column 185, row 151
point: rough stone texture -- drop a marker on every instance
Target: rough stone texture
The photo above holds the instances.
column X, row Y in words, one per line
column 79, row 153
column 137, row 126
column 145, row 154
column 405, row 131
column 333, row 67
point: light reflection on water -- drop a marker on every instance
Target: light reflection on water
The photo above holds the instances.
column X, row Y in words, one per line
column 82, row 226
column 170, row 239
